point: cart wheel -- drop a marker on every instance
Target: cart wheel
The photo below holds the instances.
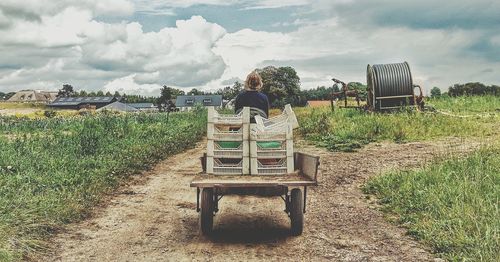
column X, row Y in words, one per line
column 296, row 214
column 207, row 211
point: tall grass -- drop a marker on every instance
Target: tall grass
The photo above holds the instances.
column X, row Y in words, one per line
column 452, row 206
column 349, row 129
column 52, row 171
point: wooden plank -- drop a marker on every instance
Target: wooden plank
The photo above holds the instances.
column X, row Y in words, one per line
column 251, row 181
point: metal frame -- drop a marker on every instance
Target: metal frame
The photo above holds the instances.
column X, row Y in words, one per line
column 309, row 178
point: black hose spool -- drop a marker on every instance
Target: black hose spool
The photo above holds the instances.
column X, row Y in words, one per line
column 390, row 86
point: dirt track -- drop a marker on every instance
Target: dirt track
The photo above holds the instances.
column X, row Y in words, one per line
column 155, row 220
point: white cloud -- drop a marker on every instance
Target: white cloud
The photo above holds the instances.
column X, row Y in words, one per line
column 36, row 8
column 47, row 43
column 128, row 85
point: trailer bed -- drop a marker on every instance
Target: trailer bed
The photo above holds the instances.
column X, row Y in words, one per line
column 306, row 175
column 290, row 180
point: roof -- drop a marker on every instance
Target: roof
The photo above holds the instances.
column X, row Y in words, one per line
column 73, row 101
column 33, row 96
column 118, row 106
column 141, row 105
column 318, row 103
column 205, row 100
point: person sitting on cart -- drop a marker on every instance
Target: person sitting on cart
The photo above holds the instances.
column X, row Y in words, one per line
column 253, row 98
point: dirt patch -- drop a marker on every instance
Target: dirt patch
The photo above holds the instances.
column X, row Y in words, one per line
column 155, row 220
column 18, row 111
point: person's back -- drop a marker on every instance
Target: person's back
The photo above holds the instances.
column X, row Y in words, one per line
column 251, row 97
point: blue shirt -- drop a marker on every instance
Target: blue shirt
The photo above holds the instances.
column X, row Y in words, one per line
column 257, row 101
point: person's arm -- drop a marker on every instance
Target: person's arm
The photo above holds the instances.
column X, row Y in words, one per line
column 267, row 107
column 237, row 103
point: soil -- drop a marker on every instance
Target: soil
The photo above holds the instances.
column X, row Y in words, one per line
column 154, row 219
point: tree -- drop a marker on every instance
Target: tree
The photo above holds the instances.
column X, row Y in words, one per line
column 230, row 92
column 108, row 94
column 82, row 93
column 66, row 91
column 473, row 89
column 100, row 93
column 165, row 103
column 194, row 92
column 117, row 94
column 435, row 92
column 281, row 85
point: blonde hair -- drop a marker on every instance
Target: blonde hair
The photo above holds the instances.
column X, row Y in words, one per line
column 253, row 82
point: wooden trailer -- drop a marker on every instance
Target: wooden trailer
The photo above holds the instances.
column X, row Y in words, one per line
column 292, row 188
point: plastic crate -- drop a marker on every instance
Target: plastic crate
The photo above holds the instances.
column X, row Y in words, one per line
column 272, row 133
column 227, row 166
column 215, row 117
column 272, row 166
column 228, row 149
column 265, row 149
column 228, row 132
column 287, row 117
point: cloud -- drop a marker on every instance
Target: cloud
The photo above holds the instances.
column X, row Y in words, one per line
column 128, row 85
column 178, row 56
column 92, row 43
column 35, row 9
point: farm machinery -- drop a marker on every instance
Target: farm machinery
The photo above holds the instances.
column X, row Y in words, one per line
column 389, row 87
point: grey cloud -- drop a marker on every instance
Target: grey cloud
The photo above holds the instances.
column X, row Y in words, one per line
column 231, row 81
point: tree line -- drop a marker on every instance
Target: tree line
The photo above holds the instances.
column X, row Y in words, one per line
column 280, row 84
column 468, row 89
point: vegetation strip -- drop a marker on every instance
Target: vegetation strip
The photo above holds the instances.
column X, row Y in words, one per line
column 350, row 129
column 53, row 170
column 451, row 206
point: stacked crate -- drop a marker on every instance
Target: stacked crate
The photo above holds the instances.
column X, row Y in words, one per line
column 228, row 143
column 271, row 144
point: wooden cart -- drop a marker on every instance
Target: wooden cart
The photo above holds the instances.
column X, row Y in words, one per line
column 213, row 187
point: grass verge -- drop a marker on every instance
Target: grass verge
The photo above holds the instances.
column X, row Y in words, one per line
column 451, row 206
column 54, row 171
column 350, row 129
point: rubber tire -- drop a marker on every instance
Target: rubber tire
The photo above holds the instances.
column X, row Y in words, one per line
column 207, row 211
column 296, row 212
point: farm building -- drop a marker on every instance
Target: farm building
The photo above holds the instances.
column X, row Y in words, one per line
column 77, row 103
column 187, row 102
column 118, row 107
column 34, row 96
column 318, row 103
column 144, row 106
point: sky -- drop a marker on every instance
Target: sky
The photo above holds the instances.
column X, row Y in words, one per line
column 137, row 46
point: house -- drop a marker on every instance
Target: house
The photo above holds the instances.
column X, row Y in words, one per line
column 318, row 103
column 187, row 102
column 118, row 107
column 144, row 106
column 33, row 96
column 77, row 103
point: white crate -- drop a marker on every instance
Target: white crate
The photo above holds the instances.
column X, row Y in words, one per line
column 215, row 117
column 228, row 132
column 286, row 117
column 285, row 149
column 214, row 149
column 217, row 166
column 271, row 133
column 282, row 166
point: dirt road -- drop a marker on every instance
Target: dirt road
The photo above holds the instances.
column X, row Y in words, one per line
column 155, row 220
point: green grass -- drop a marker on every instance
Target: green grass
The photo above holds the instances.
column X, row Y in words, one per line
column 350, row 129
column 451, row 206
column 467, row 104
column 53, row 171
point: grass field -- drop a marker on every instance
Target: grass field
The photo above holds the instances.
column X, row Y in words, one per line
column 350, row 129
column 53, row 170
column 451, row 206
